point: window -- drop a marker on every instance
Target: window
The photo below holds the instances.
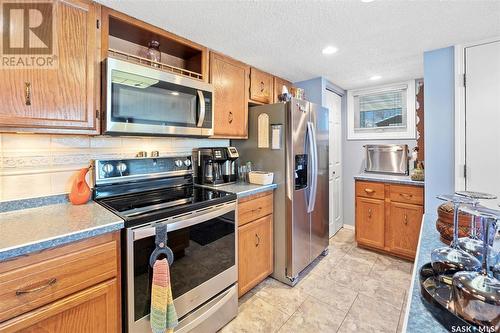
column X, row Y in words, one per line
column 386, row 112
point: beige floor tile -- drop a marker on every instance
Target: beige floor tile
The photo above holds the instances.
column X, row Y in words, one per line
column 401, row 319
column 343, row 236
column 396, row 277
column 280, row 295
column 370, row 315
column 328, row 291
column 388, row 262
column 314, row 316
column 357, row 264
column 383, row 290
column 340, row 248
column 345, row 276
column 256, row 315
column 358, row 252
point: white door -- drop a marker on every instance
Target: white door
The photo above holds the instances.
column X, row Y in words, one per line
column 482, row 119
column 334, row 104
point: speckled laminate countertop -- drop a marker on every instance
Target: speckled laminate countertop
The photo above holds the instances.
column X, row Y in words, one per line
column 418, row 318
column 244, row 189
column 395, row 179
column 29, row 230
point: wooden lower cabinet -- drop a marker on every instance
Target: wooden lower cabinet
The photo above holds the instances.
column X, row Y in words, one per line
column 255, row 245
column 388, row 217
column 404, row 228
column 370, row 220
column 91, row 310
column 71, row 288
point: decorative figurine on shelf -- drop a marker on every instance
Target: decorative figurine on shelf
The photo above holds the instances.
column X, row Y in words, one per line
column 154, row 53
column 416, row 166
column 285, row 96
column 80, row 190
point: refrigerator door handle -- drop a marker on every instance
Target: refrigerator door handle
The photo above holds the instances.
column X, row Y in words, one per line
column 313, row 149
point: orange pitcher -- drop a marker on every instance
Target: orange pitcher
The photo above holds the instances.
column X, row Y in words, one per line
column 80, row 190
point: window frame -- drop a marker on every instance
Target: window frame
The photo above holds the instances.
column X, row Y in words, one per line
column 409, row 132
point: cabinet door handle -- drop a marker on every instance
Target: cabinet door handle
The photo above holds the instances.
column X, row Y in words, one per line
column 405, row 220
column 256, row 210
column 230, row 117
column 262, row 86
column 406, row 195
column 49, row 283
column 257, row 240
column 369, row 213
column 369, row 190
column 27, row 93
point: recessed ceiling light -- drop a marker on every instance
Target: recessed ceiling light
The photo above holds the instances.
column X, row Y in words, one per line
column 366, row 1
column 375, row 77
column 329, row 50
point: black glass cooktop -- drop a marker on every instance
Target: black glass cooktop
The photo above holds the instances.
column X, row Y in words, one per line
column 146, row 206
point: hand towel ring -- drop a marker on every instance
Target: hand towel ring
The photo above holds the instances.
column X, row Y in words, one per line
column 161, row 246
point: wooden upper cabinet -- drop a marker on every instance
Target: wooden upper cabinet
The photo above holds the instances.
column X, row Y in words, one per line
column 261, row 86
column 278, row 87
column 61, row 99
column 230, row 82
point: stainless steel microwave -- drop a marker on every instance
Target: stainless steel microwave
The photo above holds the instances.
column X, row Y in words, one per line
column 143, row 100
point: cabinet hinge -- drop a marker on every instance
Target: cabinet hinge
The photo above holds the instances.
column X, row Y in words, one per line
column 464, row 80
column 97, row 114
column 98, row 24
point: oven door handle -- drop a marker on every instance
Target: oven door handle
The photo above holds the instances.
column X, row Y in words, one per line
column 184, row 221
column 201, row 117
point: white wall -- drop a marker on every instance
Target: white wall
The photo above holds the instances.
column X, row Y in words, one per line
column 34, row 165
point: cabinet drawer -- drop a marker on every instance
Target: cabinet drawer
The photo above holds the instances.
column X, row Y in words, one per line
column 255, row 253
column 254, row 207
column 369, row 189
column 407, row 194
column 28, row 287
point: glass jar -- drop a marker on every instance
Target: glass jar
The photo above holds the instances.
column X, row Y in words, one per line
column 153, row 52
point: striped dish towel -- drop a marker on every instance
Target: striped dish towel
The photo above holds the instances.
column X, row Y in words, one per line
column 163, row 316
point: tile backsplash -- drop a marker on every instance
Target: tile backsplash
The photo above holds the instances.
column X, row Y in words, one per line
column 33, row 165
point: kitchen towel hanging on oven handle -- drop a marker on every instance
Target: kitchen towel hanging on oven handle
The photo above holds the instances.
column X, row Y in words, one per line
column 163, row 317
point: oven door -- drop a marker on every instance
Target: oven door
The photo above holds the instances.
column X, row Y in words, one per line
column 145, row 100
column 204, row 246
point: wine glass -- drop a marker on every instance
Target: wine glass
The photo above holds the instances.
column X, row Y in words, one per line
column 449, row 260
column 473, row 243
column 476, row 295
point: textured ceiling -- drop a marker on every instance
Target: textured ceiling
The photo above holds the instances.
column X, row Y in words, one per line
column 385, row 38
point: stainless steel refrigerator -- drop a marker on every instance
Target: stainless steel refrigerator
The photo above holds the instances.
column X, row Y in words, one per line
column 299, row 161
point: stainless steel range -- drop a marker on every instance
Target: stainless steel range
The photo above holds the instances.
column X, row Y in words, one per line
column 148, row 192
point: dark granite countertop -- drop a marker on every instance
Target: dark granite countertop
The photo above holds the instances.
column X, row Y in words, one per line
column 418, row 318
column 386, row 178
column 24, row 231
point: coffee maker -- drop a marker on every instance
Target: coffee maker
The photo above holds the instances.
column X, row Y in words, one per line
column 215, row 166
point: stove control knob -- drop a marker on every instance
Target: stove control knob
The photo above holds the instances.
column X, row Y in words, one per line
column 121, row 167
column 178, row 163
column 108, row 168
column 187, row 162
